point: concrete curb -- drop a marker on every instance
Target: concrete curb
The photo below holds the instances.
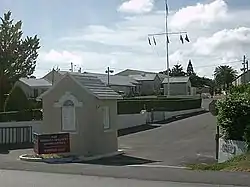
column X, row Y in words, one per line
column 73, row 159
column 25, row 157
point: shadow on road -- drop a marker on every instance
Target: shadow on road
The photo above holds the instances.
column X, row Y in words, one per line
column 131, row 130
column 120, row 160
column 180, row 117
column 5, row 149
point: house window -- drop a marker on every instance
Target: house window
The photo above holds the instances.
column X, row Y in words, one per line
column 35, row 93
column 68, row 116
column 106, row 116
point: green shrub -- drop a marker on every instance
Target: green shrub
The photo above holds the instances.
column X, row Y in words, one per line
column 136, row 106
column 240, row 89
column 234, row 114
column 34, row 104
column 16, row 101
column 25, row 115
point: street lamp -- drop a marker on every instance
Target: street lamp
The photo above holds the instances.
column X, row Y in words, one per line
column 108, row 71
column 166, row 33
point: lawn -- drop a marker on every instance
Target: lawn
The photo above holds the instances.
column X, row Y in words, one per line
column 238, row 163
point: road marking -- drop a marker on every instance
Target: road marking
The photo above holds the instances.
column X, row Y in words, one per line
column 158, row 166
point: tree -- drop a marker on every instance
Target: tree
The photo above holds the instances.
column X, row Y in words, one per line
column 224, row 76
column 177, row 71
column 165, row 72
column 16, row 101
column 17, row 54
column 190, row 69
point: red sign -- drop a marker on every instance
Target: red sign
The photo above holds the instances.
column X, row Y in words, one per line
column 51, row 143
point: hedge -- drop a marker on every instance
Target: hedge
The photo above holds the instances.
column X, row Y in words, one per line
column 234, row 114
column 27, row 115
column 136, row 106
column 16, row 101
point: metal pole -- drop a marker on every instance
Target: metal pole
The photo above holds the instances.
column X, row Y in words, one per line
column 244, row 68
column 167, row 46
column 217, row 138
column 108, row 76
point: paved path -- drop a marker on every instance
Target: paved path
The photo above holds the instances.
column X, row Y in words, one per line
column 35, row 179
column 178, row 143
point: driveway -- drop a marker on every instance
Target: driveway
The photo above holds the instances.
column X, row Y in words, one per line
column 176, row 144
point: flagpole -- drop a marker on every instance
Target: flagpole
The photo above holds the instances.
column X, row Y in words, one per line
column 167, row 47
column 167, row 34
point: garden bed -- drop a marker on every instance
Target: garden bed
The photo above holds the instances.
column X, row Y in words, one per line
column 238, row 163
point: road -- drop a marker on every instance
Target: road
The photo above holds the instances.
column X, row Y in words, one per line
column 178, row 143
column 36, row 179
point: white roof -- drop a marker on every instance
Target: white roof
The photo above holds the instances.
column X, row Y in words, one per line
column 176, row 80
column 114, row 80
column 32, row 82
column 92, row 84
column 144, row 77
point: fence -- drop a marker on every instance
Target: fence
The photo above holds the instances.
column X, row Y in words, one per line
column 15, row 137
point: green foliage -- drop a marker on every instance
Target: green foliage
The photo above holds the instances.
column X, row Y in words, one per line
column 18, row 54
column 17, row 100
column 224, row 76
column 190, row 69
column 243, row 88
column 200, row 82
column 27, row 115
column 136, row 106
column 234, row 114
column 196, row 81
column 237, row 163
column 34, row 104
column 177, row 71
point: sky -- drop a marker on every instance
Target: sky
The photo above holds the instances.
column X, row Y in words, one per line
column 95, row 34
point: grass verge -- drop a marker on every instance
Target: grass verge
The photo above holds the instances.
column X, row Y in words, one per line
column 238, row 163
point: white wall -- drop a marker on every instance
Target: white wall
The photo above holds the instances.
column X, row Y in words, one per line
column 132, row 120
column 35, row 124
column 124, row 121
column 230, row 148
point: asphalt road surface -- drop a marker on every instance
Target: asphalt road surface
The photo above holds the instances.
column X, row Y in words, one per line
column 179, row 143
column 10, row 178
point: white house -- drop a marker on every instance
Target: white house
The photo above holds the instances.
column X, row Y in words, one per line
column 178, row 86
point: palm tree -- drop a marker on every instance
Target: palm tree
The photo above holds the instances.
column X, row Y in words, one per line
column 224, row 76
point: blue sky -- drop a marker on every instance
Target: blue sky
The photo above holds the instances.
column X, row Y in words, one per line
column 94, row 34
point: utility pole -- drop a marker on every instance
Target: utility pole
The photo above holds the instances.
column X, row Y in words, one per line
column 166, row 33
column 108, row 71
column 71, row 67
column 245, row 68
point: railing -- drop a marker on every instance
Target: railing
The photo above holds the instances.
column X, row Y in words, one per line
column 15, row 137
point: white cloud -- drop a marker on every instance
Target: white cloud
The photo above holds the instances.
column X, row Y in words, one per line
column 62, row 57
column 225, row 40
column 136, row 6
column 200, row 15
column 217, row 35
